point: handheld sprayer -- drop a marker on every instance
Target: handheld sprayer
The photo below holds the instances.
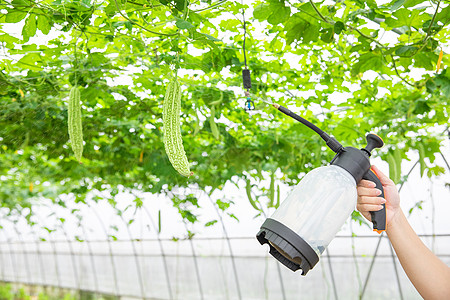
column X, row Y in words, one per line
column 308, row 219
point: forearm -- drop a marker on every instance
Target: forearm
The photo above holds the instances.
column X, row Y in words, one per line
column 429, row 275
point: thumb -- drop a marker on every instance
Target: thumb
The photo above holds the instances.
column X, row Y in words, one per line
column 385, row 180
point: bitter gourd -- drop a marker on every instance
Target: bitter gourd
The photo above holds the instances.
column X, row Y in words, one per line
column 74, row 122
column 212, row 123
column 272, row 190
column 248, row 189
column 392, row 168
column 173, row 143
column 278, row 197
column 423, row 165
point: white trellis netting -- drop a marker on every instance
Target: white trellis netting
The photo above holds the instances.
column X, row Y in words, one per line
column 126, row 256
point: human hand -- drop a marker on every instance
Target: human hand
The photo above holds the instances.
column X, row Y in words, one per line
column 369, row 200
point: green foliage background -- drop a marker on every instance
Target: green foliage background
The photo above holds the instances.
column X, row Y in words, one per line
column 301, row 55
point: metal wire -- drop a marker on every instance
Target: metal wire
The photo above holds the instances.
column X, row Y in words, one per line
column 163, row 255
column 10, row 255
column 94, row 269
column 332, row 275
column 229, row 248
column 52, row 245
column 138, row 265
column 113, row 264
column 396, row 271
column 370, row 268
column 25, row 257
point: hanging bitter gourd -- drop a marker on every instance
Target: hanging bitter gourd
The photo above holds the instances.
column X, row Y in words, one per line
column 173, row 144
column 272, row 190
column 74, row 122
column 393, row 172
column 423, row 165
column 248, row 189
column 212, row 123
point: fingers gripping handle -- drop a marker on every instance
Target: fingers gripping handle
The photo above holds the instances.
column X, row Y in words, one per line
column 378, row 217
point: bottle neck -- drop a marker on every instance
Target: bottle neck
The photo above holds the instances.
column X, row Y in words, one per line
column 354, row 161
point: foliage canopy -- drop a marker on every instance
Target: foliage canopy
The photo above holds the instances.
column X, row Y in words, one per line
column 349, row 66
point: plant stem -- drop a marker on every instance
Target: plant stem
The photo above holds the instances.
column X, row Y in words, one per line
column 140, row 26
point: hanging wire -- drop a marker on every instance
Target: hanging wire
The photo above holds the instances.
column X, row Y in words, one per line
column 249, row 104
column 245, row 35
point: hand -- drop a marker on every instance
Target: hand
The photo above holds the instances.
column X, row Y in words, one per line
column 369, row 200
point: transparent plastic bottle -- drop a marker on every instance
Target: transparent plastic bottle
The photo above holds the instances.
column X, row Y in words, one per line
column 319, row 205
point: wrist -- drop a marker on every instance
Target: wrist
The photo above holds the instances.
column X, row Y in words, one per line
column 395, row 221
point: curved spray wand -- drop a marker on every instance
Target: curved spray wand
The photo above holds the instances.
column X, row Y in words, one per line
column 373, row 141
column 308, row 219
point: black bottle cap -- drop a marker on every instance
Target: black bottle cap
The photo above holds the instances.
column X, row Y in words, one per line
column 287, row 246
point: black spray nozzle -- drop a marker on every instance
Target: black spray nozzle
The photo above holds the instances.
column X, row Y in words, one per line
column 332, row 143
column 373, row 141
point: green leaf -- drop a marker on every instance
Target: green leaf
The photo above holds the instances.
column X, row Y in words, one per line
column 397, row 4
column 210, row 223
column 368, row 61
column 339, row 27
column 328, row 35
column 443, row 83
column 425, row 60
column 211, row 38
column 444, row 15
column 43, row 24
column 281, row 14
column 31, row 61
column 356, row 216
column 8, row 40
column 405, row 3
column 406, row 50
column 29, row 29
column 262, row 12
column 299, row 29
column 275, row 12
column 182, row 24
column 418, row 205
column 405, row 17
column 15, row 16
